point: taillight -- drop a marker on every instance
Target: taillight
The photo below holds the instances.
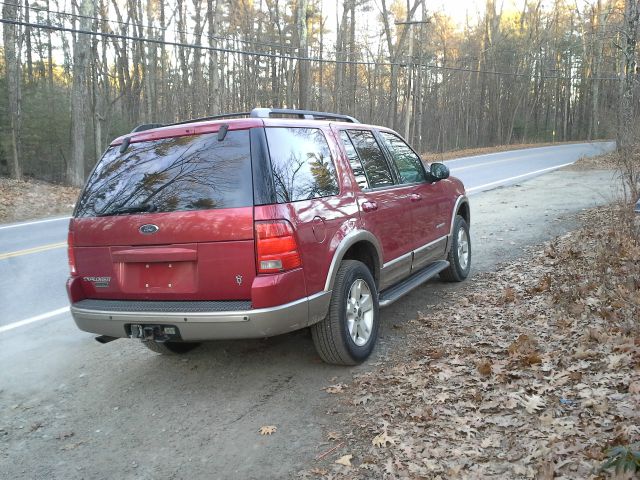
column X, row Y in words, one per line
column 70, row 253
column 276, row 247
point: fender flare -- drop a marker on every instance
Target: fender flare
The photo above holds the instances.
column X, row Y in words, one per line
column 347, row 242
column 461, row 200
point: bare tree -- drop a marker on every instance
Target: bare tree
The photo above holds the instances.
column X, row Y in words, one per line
column 12, row 47
column 80, row 113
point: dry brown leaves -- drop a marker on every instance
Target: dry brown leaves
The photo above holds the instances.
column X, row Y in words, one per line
column 535, row 376
column 21, row 200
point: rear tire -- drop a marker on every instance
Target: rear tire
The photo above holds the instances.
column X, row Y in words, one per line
column 349, row 332
column 459, row 254
column 169, row 348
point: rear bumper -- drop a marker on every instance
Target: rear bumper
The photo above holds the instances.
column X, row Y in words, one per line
column 209, row 325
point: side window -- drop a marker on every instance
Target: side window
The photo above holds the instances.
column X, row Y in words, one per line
column 301, row 164
column 407, row 162
column 354, row 160
column 373, row 161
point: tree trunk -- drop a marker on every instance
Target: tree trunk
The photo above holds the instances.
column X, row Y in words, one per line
column 626, row 125
column 12, row 63
column 79, row 98
column 303, row 51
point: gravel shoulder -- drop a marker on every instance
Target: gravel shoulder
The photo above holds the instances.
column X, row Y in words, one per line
column 75, row 409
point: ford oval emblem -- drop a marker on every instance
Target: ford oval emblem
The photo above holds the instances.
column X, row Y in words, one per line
column 148, row 229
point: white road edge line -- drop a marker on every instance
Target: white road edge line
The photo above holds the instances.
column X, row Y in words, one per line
column 520, row 150
column 25, row 224
column 505, row 180
column 37, row 318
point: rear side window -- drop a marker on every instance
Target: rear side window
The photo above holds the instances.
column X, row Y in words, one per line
column 354, row 161
column 195, row 172
column 301, row 164
column 406, row 161
column 373, row 161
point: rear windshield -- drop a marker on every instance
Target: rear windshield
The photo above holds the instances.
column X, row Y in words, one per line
column 195, row 172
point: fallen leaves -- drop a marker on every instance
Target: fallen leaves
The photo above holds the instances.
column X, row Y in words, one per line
column 536, row 376
column 268, row 430
column 484, row 367
column 382, row 439
column 345, row 460
column 335, row 389
column 533, row 403
column 24, row 199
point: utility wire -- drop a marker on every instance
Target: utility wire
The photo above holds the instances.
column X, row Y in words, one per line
column 165, row 29
column 147, row 27
column 275, row 55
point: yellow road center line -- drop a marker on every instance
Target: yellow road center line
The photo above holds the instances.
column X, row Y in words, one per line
column 27, row 251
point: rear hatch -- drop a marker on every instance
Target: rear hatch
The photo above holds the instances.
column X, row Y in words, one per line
column 168, row 219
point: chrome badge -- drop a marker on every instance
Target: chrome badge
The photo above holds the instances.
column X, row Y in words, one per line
column 239, row 279
column 99, row 282
column 148, row 229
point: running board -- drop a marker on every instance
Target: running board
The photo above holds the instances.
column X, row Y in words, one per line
column 392, row 294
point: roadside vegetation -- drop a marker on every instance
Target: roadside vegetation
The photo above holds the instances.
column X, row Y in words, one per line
column 531, row 371
column 25, row 199
column 522, row 73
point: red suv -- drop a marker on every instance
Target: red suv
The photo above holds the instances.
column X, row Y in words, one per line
column 229, row 227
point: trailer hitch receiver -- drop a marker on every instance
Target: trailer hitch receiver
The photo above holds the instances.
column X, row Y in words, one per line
column 157, row 333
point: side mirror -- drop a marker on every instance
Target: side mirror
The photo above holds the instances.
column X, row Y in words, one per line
column 439, row 171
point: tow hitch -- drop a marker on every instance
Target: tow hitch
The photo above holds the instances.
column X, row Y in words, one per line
column 157, row 333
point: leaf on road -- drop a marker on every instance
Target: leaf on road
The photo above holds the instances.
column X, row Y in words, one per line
column 334, row 389
column 345, row 460
column 268, row 430
column 382, row 439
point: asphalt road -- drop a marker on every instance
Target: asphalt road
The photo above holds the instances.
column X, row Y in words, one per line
column 127, row 401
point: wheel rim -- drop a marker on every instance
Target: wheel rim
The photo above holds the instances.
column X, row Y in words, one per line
column 463, row 248
column 360, row 312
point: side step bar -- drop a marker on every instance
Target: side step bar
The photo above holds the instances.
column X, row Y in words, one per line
column 392, row 294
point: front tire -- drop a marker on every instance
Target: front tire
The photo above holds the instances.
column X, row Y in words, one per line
column 169, row 348
column 349, row 332
column 459, row 254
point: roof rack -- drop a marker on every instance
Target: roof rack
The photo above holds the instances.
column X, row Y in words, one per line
column 257, row 113
column 308, row 114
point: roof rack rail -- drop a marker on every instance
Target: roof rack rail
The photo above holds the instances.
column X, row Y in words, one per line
column 214, row 117
column 147, row 126
column 308, row 114
column 256, row 113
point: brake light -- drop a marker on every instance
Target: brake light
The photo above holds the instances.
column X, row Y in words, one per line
column 70, row 253
column 276, row 247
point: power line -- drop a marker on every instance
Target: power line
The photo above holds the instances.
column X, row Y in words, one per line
column 147, row 27
column 287, row 57
column 280, row 46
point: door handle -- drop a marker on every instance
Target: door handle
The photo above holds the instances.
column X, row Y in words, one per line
column 369, row 206
column 415, row 197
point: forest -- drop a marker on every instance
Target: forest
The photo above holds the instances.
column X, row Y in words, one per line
column 76, row 73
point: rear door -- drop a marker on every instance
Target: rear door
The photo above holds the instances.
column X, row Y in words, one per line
column 384, row 204
column 169, row 219
column 307, row 187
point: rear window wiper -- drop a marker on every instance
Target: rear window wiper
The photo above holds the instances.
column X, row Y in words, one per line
column 140, row 208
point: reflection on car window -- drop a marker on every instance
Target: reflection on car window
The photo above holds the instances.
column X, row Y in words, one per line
column 354, row 160
column 192, row 172
column 407, row 162
column 373, row 161
column 301, row 164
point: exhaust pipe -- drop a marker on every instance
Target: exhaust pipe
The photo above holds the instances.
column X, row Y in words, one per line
column 105, row 339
